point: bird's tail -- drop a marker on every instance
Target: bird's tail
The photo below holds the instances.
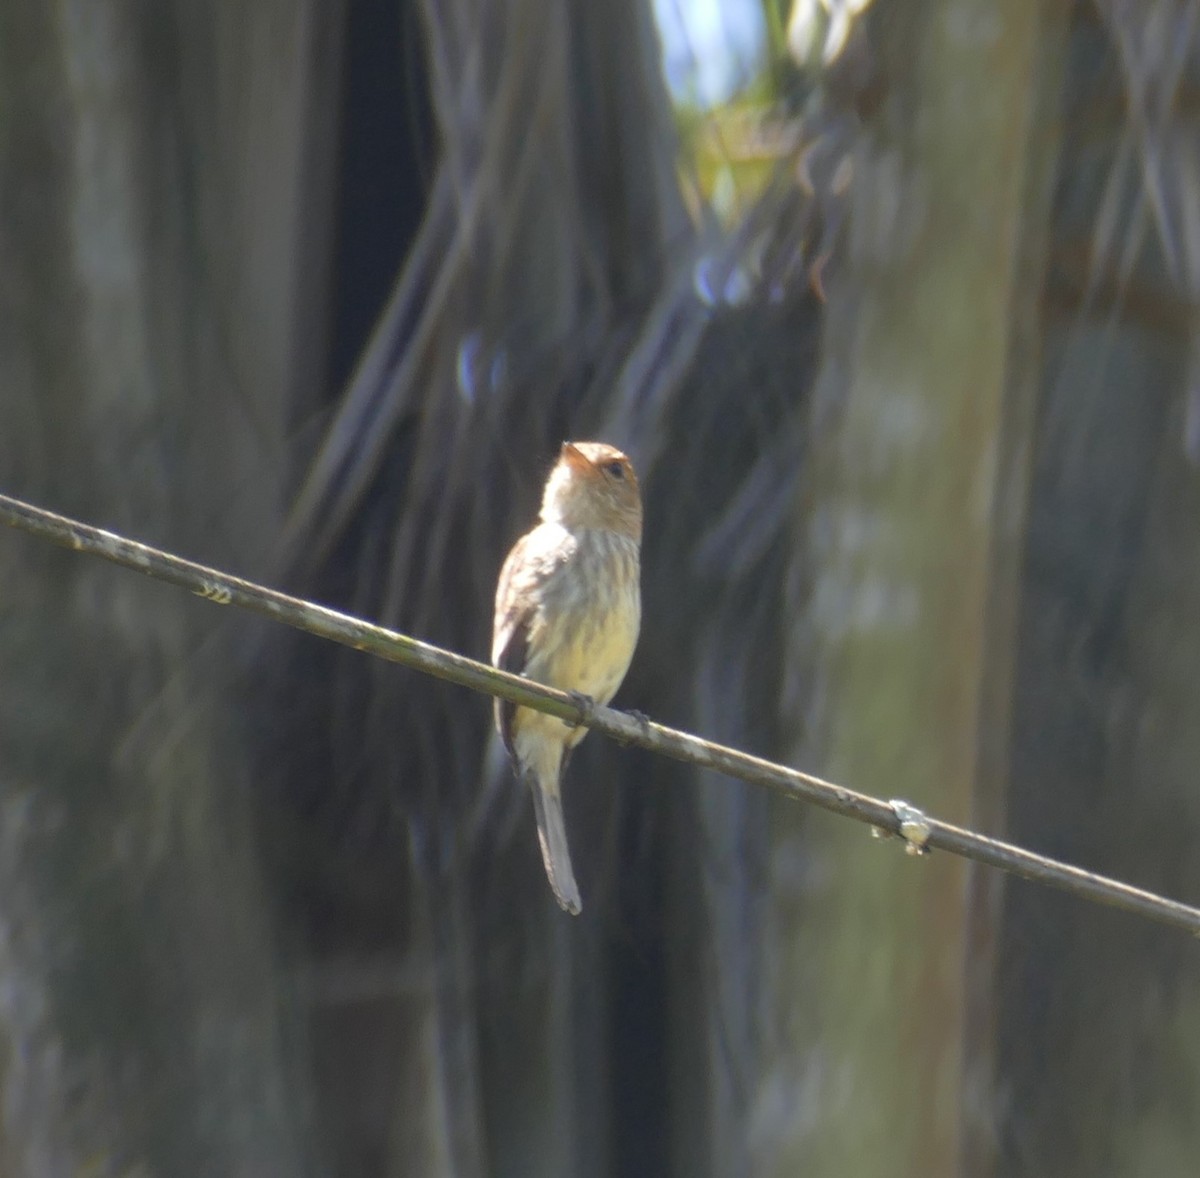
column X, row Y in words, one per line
column 556, row 854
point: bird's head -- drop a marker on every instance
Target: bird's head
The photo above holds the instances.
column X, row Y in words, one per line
column 593, row 486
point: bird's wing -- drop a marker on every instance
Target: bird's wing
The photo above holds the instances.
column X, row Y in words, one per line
column 535, row 559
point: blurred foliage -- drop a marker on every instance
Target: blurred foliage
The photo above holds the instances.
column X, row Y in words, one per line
column 902, row 343
column 732, row 154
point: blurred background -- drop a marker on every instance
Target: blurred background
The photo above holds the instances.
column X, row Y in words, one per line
column 893, row 304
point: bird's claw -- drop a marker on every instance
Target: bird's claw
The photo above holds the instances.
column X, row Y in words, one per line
column 586, row 706
column 642, row 721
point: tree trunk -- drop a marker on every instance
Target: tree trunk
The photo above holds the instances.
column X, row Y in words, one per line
column 915, row 472
column 154, row 182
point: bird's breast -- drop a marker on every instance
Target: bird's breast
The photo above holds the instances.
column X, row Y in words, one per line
column 591, row 613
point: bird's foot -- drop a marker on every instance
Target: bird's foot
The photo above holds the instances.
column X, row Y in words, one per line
column 586, row 706
column 643, row 722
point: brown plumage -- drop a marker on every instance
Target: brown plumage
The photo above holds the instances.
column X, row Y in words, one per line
column 568, row 609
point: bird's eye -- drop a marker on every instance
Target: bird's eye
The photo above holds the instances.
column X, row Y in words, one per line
column 615, row 469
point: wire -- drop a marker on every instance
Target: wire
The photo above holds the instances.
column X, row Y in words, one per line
column 919, row 832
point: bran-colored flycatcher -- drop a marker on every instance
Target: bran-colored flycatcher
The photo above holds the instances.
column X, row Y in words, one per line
column 568, row 609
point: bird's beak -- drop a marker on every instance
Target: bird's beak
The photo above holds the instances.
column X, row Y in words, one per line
column 574, row 455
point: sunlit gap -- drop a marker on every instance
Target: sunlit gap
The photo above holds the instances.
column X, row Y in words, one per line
column 711, row 48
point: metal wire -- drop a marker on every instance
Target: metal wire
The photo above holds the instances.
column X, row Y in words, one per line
column 919, row 832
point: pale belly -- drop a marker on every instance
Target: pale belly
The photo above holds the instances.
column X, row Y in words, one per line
column 588, row 658
column 586, row 649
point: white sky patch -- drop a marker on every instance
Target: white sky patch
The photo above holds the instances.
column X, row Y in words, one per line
column 711, row 48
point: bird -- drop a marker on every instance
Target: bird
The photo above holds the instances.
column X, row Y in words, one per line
column 568, row 612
